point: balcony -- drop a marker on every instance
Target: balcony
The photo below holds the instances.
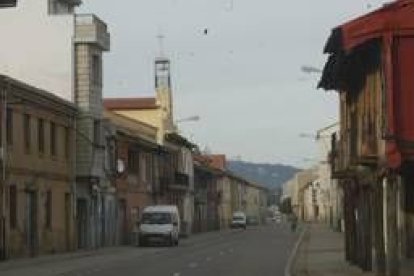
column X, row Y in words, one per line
column 182, row 182
column 71, row 2
column 90, row 29
column 339, row 159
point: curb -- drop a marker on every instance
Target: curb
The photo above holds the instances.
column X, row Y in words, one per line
column 293, row 254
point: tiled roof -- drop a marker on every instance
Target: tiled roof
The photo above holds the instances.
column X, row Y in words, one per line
column 130, row 103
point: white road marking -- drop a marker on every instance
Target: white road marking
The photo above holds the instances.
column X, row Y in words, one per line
column 177, row 274
column 231, row 250
column 208, row 259
column 221, row 253
column 193, row 265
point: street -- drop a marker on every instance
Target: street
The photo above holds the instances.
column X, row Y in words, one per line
column 260, row 250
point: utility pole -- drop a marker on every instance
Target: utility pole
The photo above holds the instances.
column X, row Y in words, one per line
column 3, row 154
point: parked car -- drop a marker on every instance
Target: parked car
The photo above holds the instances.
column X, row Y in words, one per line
column 252, row 221
column 239, row 220
column 159, row 224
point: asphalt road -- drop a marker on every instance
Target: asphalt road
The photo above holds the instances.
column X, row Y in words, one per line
column 261, row 251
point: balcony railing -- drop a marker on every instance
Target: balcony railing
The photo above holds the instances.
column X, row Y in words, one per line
column 182, row 181
column 90, row 29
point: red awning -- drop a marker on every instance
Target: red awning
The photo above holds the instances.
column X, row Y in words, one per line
column 396, row 18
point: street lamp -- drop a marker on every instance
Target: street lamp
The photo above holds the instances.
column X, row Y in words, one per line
column 310, row 69
column 194, row 118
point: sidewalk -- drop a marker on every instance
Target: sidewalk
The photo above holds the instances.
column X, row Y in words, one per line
column 322, row 253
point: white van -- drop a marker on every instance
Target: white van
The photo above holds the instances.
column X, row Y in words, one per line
column 239, row 220
column 159, row 223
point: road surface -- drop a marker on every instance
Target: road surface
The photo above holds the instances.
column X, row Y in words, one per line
column 260, row 250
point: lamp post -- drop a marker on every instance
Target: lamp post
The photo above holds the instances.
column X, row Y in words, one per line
column 194, row 118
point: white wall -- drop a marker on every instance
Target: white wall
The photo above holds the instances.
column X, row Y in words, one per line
column 37, row 48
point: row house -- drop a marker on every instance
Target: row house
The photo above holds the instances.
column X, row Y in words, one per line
column 180, row 191
column 176, row 166
column 370, row 65
column 220, row 193
column 204, row 187
column 136, row 178
column 38, row 171
column 65, row 58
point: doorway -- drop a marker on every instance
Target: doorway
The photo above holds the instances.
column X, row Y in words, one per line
column 31, row 222
column 81, row 221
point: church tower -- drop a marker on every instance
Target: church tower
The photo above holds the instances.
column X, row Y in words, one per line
column 163, row 90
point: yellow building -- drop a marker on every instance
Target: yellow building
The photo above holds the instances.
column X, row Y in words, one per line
column 158, row 111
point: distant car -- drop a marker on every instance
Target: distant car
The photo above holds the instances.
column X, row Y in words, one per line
column 239, row 220
column 252, row 221
column 159, row 224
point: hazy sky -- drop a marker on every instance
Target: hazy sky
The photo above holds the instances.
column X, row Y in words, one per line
column 243, row 78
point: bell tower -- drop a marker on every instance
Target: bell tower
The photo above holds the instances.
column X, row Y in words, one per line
column 163, row 87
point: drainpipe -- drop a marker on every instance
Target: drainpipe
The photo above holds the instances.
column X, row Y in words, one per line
column 3, row 238
column 74, row 234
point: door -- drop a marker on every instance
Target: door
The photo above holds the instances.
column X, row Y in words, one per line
column 123, row 229
column 81, row 221
column 68, row 226
column 31, row 223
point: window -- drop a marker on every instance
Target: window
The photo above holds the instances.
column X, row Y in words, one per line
column 147, row 170
column 48, row 210
column 67, row 143
column 96, row 70
column 96, row 132
column 27, row 132
column 143, row 167
column 9, row 126
column 52, row 139
column 41, row 135
column 13, row 206
column 133, row 161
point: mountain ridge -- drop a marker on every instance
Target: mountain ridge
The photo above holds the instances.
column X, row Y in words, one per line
column 272, row 176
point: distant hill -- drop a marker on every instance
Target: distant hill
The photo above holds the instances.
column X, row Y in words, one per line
column 269, row 175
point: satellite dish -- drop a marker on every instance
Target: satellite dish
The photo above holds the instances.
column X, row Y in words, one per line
column 120, row 166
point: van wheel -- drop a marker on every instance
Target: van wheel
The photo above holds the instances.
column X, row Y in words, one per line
column 171, row 241
column 142, row 242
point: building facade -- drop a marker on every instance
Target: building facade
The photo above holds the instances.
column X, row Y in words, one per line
column 372, row 155
column 38, row 177
column 42, row 57
column 95, row 191
column 137, row 177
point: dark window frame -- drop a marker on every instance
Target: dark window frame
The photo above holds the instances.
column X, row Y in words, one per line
column 67, row 143
column 53, row 136
column 48, row 210
column 133, row 165
column 96, row 68
column 27, row 137
column 13, row 205
column 41, row 135
column 9, row 126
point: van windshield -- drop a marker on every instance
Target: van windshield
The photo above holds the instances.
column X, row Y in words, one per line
column 156, row 218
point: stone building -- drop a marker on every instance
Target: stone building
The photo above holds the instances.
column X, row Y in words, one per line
column 96, row 196
column 38, row 171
